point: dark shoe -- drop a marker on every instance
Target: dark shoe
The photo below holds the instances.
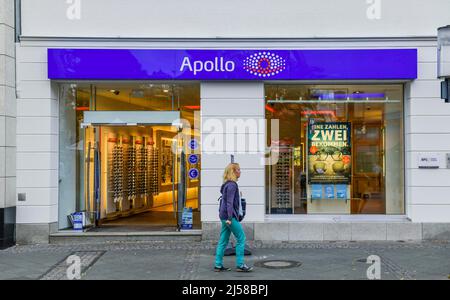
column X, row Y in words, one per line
column 221, row 269
column 244, row 268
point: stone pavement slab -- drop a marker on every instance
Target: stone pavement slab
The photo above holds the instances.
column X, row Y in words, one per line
column 194, row 260
column 139, row 265
column 26, row 266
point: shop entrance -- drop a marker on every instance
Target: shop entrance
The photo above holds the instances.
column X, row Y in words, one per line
column 116, row 164
column 135, row 178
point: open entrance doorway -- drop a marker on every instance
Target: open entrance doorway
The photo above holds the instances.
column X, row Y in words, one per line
column 121, row 159
column 135, row 178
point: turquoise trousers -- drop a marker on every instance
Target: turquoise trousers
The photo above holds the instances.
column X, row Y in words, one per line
column 238, row 232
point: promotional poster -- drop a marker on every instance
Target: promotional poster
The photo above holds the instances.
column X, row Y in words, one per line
column 329, row 152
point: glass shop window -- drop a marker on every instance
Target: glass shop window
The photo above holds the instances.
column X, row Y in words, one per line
column 339, row 147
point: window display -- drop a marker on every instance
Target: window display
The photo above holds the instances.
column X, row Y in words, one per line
column 281, row 181
column 351, row 142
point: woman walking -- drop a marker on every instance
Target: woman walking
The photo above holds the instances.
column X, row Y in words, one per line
column 231, row 213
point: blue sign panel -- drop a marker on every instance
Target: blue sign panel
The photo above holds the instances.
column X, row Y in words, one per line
column 316, row 191
column 193, row 159
column 193, row 173
column 193, row 144
column 195, row 64
column 341, row 191
column 329, row 191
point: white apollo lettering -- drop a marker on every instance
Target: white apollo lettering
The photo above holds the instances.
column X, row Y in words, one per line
column 209, row 66
column 217, row 65
column 229, row 66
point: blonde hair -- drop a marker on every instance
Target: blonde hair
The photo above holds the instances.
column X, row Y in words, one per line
column 230, row 172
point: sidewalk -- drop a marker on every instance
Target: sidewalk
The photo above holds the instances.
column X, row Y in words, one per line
column 165, row 260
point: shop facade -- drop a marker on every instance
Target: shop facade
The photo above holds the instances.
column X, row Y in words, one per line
column 333, row 134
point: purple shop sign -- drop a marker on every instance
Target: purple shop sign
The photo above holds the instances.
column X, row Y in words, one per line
column 170, row 64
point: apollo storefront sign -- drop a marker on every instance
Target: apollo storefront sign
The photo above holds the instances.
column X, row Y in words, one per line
column 170, row 64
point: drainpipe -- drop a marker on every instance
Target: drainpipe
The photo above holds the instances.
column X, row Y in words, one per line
column 444, row 61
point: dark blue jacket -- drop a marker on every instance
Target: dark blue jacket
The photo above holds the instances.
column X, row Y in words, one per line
column 229, row 205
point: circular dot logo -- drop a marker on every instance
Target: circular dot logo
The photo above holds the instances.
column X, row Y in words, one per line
column 264, row 64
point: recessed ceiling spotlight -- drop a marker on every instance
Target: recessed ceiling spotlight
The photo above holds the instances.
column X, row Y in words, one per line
column 115, row 92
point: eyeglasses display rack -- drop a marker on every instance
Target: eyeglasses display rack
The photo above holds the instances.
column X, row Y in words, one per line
column 282, row 182
column 143, row 174
column 153, row 168
column 134, row 170
column 131, row 172
column 117, row 174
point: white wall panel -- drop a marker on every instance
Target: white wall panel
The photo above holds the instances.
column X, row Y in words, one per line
column 7, row 40
column 37, row 143
column 430, row 142
column 430, row 124
column 37, row 178
column 430, row 195
column 253, row 195
column 8, row 101
column 10, row 132
column 2, row 132
column 32, row 71
column 37, row 107
column 31, row 54
column 426, row 88
column 210, row 213
column 427, row 54
column 220, row 161
column 7, row 70
column 430, row 213
column 2, row 192
column 37, row 161
column 37, row 125
column 7, row 12
column 10, row 161
column 232, row 143
column 430, row 177
column 10, row 191
column 231, row 90
column 232, row 18
column 428, row 107
column 38, row 196
column 237, row 124
column 213, row 178
column 427, row 71
column 2, row 161
column 232, row 107
column 36, row 214
column 36, row 90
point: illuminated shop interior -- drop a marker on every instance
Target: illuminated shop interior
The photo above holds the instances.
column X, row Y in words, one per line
column 127, row 176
